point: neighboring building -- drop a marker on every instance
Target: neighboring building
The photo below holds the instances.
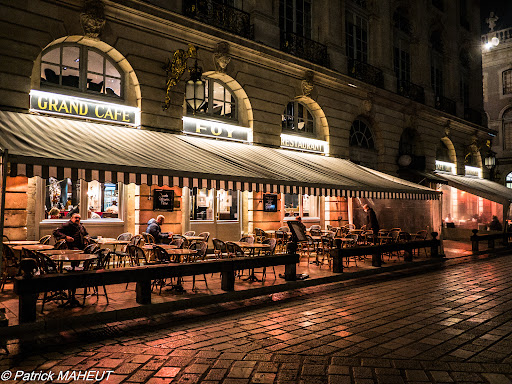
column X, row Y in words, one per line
column 391, row 85
column 497, row 86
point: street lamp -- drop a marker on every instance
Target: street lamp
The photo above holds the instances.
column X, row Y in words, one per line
column 490, row 162
column 194, row 89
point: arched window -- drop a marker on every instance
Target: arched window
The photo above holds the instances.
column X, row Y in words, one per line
column 361, row 135
column 219, row 100
column 443, row 153
column 80, row 68
column 508, row 181
column 506, row 77
column 507, row 129
column 297, row 118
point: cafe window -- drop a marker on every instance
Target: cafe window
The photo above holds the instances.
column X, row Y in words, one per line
column 80, row 68
column 64, row 197
column 201, row 204
column 301, row 205
column 219, row 101
column 227, row 203
column 508, row 181
column 297, row 118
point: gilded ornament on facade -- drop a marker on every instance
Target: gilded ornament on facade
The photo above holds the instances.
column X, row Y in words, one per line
column 307, row 84
column 93, row 18
column 175, row 70
column 221, row 57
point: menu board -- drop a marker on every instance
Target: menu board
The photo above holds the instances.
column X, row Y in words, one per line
column 163, row 200
column 269, row 202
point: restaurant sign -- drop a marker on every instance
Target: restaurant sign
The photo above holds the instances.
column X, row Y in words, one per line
column 215, row 129
column 56, row 104
column 303, row 144
column 473, row 171
column 443, row 166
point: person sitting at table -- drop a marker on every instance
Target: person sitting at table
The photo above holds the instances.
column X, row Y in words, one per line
column 495, row 224
column 113, row 208
column 74, row 233
column 93, row 215
column 155, row 230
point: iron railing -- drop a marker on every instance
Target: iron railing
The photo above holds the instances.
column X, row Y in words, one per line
column 473, row 116
column 220, row 15
column 365, row 72
column 446, row 105
column 304, row 48
column 411, row 91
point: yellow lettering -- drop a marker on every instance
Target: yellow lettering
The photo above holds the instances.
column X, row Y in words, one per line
column 84, row 109
column 216, row 130
column 52, row 105
column 116, row 114
column 108, row 114
column 97, row 113
column 42, row 103
column 74, row 107
column 200, row 128
column 63, row 106
column 230, row 131
column 126, row 117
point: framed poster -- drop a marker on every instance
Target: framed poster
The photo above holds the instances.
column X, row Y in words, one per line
column 163, row 200
column 269, row 202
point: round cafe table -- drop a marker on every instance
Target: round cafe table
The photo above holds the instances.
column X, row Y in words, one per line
column 176, row 257
column 252, row 250
column 75, row 259
column 191, row 238
column 51, row 252
column 32, row 247
column 111, row 241
column 21, row 242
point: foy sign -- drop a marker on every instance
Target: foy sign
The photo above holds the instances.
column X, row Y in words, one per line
column 86, row 109
column 215, row 129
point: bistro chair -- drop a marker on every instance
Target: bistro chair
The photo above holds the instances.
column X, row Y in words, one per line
column 102, row 262
column 315, row 227
column 179, row 241
column 124, row 236
column 420, row 236
column 61, row 244
column 205, row 236
column 121, row 256
column 161, row 256
column 234, row 250
column 45, row 239
column 201, row 247
column 281, row 239
column 219, row 248
column 269, row 252
column 5, row 238
column 324, row 248
column 10, row 266
column 92, row 248
column 306, row 247
column 148, row 238
column 259, row 235
column 190, row 233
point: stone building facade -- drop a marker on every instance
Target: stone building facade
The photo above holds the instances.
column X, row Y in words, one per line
column 386, row 84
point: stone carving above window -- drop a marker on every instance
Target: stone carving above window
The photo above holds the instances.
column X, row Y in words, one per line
column 92, row 18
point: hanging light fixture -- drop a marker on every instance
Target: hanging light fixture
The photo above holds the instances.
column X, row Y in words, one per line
column 194, row 89
column 490, row 159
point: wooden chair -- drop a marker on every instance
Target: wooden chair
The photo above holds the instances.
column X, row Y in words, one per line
column 259, row 235
column 10, row 266
column 205, row 235
column 420, row 235
column 148, row 238
column 45, row 239
column 306, row 247
column 219, row 248
column 125, row 236
column 201, row 247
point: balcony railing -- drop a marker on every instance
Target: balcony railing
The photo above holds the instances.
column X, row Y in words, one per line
column 446, row 105
column 503, row 35
column 411, row 91
column 365, row 72
column 219, row 15
column 473, row 116
column 304, row 48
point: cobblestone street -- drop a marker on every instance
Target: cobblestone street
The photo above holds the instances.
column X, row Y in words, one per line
column 452, row 325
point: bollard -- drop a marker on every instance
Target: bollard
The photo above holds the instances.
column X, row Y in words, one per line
column 408, row 253
column 474, row 241
column 505, row 239
column 490, row 242
column 434, row 248
column 376, row 259
column 143, row 292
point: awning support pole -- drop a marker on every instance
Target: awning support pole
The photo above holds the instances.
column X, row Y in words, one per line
column 3, row 186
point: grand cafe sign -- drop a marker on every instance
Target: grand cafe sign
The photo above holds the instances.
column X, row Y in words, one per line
column 56, row 104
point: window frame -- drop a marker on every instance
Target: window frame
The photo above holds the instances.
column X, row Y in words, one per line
column 508, row 180
column 401, row 47
column 83, row 72
column 353, row 133
column 301, row 207
column 306, row 24
column 352, row 29
column 82, row 200
column 209, row 103
column 506, row 126
column 296, row 104
column 506, row 84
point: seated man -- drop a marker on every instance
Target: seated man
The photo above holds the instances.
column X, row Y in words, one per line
column 74, row 233
column 113, row 208
column 155, row 230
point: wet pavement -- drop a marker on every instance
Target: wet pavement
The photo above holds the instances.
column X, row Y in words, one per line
column 451, row 325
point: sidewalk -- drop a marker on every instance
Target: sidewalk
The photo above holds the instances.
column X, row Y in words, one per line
column 122, row 305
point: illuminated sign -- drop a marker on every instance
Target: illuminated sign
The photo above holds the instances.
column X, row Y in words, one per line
column 443, row 166
column 473, row 171
column 56, row 104
column 303, row 144
column 215, row 129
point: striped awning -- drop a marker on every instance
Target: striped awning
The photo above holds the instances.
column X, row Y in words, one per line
column 48, row 146
column 480, row 187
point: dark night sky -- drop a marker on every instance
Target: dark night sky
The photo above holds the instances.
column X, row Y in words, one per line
column 501, row 8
